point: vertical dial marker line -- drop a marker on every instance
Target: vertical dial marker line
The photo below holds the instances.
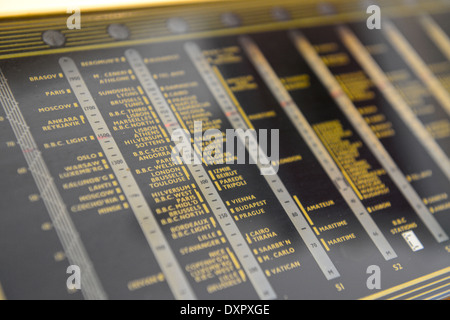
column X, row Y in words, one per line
column 206, row 185
column 310, row 137
column 416, row 63
column 2, row 294
column 366, row 133
column 233, row 97
column 147, row 221
column 70, row 239
column 395, row 99
column 303, row 210
column 434, row 31
column 233, row 112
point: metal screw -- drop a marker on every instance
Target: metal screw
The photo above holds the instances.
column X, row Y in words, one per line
column 231, row 20
column 118, row 31
column 177, row 25
column 54, row 38
column 280, row 14
column 326, row 8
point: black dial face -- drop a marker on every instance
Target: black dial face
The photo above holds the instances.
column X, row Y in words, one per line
column 295, row 152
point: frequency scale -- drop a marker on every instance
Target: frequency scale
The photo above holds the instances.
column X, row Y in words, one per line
column 356, row 206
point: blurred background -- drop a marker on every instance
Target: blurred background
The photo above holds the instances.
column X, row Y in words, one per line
column 10, row 8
